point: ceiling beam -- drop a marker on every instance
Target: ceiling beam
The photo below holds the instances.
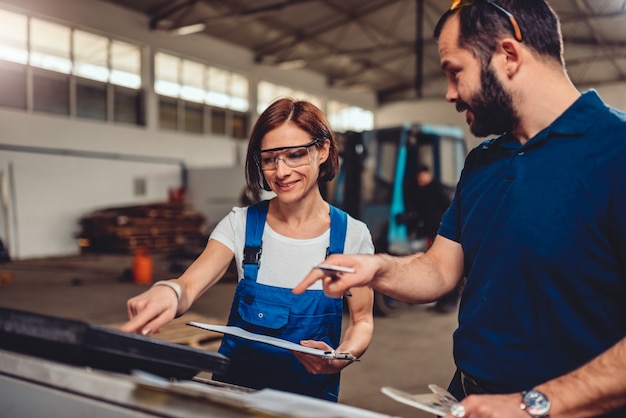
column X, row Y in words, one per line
column 167, row 12
column 586, row 9
column 310, row 34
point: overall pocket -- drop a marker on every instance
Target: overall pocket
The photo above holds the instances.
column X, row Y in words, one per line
column 263, row 313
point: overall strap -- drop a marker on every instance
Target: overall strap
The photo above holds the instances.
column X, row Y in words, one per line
column 255, row 223
column 338, row 229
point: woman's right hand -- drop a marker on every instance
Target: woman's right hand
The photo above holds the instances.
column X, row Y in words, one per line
column 149, row 311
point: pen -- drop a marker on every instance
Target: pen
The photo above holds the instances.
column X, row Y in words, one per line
column 335, row 272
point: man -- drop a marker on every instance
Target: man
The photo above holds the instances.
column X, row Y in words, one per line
column 537, row 226
column 426, row 201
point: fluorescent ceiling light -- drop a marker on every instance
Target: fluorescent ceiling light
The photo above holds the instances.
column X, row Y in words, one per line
column 292, row 64
column 189, row 29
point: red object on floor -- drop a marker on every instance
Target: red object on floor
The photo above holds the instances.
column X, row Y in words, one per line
column 142, row 266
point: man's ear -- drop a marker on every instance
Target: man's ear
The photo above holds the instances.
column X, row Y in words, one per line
column 511, row 55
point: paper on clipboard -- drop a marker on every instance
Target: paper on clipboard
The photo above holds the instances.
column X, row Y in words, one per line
column 277, row 342
column 439, row 402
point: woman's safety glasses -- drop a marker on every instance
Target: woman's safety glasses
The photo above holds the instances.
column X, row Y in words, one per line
column 457, row 4
column 294, row 156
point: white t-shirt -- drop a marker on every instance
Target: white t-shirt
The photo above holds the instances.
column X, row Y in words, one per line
column 286, row 261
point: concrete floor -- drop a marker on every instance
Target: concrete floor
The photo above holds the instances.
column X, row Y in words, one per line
column 410, row 349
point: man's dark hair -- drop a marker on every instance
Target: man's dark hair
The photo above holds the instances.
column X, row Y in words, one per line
column 482, row 26
column 422, row 167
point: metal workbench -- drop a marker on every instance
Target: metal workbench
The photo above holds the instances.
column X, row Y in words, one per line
column 36, row 388
column 57, row 368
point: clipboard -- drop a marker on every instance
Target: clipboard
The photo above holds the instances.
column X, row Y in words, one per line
column 276, row 342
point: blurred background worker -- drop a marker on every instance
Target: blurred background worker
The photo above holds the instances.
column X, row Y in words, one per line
column 426, row 201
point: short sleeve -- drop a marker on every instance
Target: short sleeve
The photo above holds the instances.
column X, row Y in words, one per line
column 358, row 238
column 231, row 228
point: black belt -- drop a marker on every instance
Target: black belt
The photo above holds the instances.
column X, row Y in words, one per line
column 471, row 386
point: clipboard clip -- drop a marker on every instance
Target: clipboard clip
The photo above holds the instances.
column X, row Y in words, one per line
column 340, row 356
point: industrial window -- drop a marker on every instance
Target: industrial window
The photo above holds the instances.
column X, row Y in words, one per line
column 194, row 117
column 91, row 56
column 239, row 92
column 50, row 46
column 166, row 75
column 240, row 125
column 91, row 100
column 192, row 77
column 268, row 92
column 12, row 85
column 51, row 93
column 125, row 62
column 168, row 113
column 343, row 117
column 218, row 121
column 193, row 81
column 128, row 106
column 200, row 98
column 63, row 57
column 13, row 37
column 218, row 86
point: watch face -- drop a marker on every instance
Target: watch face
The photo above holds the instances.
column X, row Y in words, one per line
column 537, row 404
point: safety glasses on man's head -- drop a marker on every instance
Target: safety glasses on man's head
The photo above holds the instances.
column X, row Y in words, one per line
column 457, row 4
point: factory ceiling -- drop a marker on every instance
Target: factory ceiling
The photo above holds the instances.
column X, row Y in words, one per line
column 385, row 46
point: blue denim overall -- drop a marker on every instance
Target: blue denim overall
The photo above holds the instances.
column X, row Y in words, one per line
column 277, row 312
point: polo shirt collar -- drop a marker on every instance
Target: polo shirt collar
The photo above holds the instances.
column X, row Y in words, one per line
column 578, row 118
column 575, row 121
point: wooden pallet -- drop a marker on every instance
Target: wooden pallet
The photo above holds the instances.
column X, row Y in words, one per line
column 160, row 227
column 177, row 331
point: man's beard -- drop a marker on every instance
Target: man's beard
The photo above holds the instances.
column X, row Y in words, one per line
column 492, row 107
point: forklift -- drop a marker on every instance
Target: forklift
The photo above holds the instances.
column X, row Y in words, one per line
column 374, row 179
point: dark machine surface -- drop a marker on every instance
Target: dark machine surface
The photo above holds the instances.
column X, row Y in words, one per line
column 83, row 344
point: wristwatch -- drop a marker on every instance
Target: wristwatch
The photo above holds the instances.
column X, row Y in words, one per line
column 535, row 403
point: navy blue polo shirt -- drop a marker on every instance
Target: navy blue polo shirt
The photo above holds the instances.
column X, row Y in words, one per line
column 543, row 232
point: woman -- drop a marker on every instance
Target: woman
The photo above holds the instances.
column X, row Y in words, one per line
column 275, row 243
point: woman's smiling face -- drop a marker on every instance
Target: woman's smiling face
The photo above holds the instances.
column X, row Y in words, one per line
column 289, row 183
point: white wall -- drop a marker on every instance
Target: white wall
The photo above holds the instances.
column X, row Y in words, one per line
column 47, row 191
column 215, row 190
